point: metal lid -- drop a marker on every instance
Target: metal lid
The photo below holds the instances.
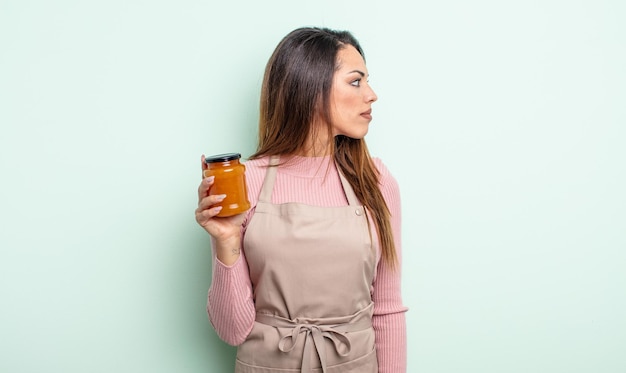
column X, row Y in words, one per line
column 222, row 157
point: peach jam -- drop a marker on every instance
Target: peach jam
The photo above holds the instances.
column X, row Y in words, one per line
column 230, row 179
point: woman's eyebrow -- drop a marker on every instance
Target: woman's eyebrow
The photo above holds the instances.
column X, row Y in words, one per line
column 358, row 71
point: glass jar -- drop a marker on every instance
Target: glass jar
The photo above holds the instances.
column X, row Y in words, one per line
column 230, row 179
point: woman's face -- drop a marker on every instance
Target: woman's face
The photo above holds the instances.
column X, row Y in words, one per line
column 351, row 96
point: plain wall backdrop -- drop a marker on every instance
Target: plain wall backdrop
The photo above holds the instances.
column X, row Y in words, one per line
column 503, row 121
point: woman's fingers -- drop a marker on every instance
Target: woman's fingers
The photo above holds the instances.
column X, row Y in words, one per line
column 204, row 187
column 207, row 209
column 203, row 164
column 203, row 216
column 208, row 201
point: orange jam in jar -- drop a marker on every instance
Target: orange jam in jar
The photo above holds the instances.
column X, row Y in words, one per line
column 230, row 179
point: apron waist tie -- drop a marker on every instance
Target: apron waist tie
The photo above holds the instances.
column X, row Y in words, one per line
column 314, row 332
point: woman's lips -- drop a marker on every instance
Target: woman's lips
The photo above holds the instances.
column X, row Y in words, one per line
column 367, row 114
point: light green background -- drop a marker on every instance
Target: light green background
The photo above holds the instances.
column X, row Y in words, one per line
column 503, row 121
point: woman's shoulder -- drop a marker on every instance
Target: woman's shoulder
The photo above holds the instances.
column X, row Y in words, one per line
column 386, row 177
column 256, row 162
column 388, row 186
column 256, row 165
column 255, row 174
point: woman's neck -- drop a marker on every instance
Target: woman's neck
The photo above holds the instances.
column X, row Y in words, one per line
column 318, row 145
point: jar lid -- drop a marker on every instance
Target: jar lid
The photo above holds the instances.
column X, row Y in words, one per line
column 222, row 157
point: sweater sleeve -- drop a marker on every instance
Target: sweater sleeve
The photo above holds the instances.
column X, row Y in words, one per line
column 229, row 303
column 389, row 312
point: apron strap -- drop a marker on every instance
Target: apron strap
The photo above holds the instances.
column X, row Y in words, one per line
column 268, row 182
column 347, row 189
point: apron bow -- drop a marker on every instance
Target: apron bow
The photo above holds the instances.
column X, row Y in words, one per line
column 317, row 334
column 334, row 329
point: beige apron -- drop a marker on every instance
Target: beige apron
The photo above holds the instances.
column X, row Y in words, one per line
column 311, row 270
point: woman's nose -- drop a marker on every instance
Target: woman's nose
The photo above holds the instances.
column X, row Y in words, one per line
column 371, row 95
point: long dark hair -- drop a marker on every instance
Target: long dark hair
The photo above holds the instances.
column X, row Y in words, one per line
column 296, row 91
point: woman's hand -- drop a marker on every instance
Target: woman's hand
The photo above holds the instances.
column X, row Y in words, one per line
column 227, row 230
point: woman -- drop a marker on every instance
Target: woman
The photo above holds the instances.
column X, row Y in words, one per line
column 309, row 277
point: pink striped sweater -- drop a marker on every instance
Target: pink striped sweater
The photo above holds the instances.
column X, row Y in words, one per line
column 313, row 181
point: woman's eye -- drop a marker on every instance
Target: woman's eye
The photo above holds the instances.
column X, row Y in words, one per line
column 356, row 83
